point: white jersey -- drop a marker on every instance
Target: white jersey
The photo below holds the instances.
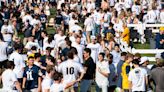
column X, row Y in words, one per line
column 46, row 83
column 19, row 64
column 70, row 70
column 162, row 17
column 116, row 57
column 136, row 9
column 152, row 17
column 8, row 80
column 89, row 24
column 95, row 50
column 57, row 87
column 137, row 77
column 80, row 49
column 104, row 67
column 7, row 32
column 3, row 47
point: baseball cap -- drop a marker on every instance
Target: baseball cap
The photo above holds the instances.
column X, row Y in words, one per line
column 144, row 59
column 161, row 28
column 93, row 37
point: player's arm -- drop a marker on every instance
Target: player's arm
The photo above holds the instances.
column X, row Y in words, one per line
column 46, row 90
column 24, row 81
column 17, row 84
column 103, row 73
column 70, row 84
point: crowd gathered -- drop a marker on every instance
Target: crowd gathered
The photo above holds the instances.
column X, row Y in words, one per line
column 89, row 50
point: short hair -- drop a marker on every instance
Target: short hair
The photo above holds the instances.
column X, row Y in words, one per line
column 137, row 55
column 129, row 55
column 37, row 55
column 74, row 50
column 117, row 45
column 136, row 61
column 88, row 50
column 45, row 32
column 49, row 49
column 110, row 56
column 57, row 76
column 68, row 43
column 30, row 57
column 9, row 64
column 17, row 46
column 33, row 48
column 161, row 63
column 49, row 68
column 102, row 54
column 70, row 55
column 123, row 54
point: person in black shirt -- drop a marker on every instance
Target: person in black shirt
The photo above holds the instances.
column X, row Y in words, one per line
column 89, row 67
column 58, row 19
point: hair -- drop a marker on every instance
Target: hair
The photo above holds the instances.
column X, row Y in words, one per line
column 37, row 55
column 57, row 76
column 109, row 56
column 136, row 61
column 49, row 68
column 74, row 50
column 70, row 55
column 50, row 38
column 49, row 49
column 45, row 33
column 161, row 63
column 129, row 55
column 68, row 43
column 17, row 46
column 102, row 54
column 88, row 50
column 33, row 48
column 123, row 54
column 30, row 57
column 9, row 64
column 117, row 45
column 137, row 55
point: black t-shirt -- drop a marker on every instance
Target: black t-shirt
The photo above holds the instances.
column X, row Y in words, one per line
column 28, row 31
column 91, row 66
column 59, row 19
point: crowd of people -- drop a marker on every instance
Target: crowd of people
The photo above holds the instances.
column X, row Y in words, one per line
column 90, row 47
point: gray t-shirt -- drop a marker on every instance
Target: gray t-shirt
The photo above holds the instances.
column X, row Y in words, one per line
column 157, row 75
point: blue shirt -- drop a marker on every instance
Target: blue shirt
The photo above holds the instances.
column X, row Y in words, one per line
column 31, row 75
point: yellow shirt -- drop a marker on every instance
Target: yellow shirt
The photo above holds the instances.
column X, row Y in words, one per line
column 125, row 72
column 126, row 35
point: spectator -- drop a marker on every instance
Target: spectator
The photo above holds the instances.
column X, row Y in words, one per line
column 160, row 39
column 89, row 67
column 156, row 75
column 31, row 77
column 9, row 79
column 137, row 78
column 102, row 72
column 125, row 73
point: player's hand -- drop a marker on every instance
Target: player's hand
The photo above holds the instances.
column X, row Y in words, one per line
column 78, row 80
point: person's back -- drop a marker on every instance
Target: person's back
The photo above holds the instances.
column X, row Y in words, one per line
column 157, row 75
column 137, row 77
column 8, row 79
column 70, row 70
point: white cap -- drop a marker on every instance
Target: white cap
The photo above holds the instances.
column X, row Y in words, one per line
column 93, row 37
column 158, row 55
column 144, row 59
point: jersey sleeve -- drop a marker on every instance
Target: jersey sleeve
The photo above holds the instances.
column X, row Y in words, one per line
column 47, row 84
column 80, row 67
column 24, row 73
column 14, row 78
column 59, row 68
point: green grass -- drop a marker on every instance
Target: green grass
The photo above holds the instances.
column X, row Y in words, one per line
column 141, row 46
